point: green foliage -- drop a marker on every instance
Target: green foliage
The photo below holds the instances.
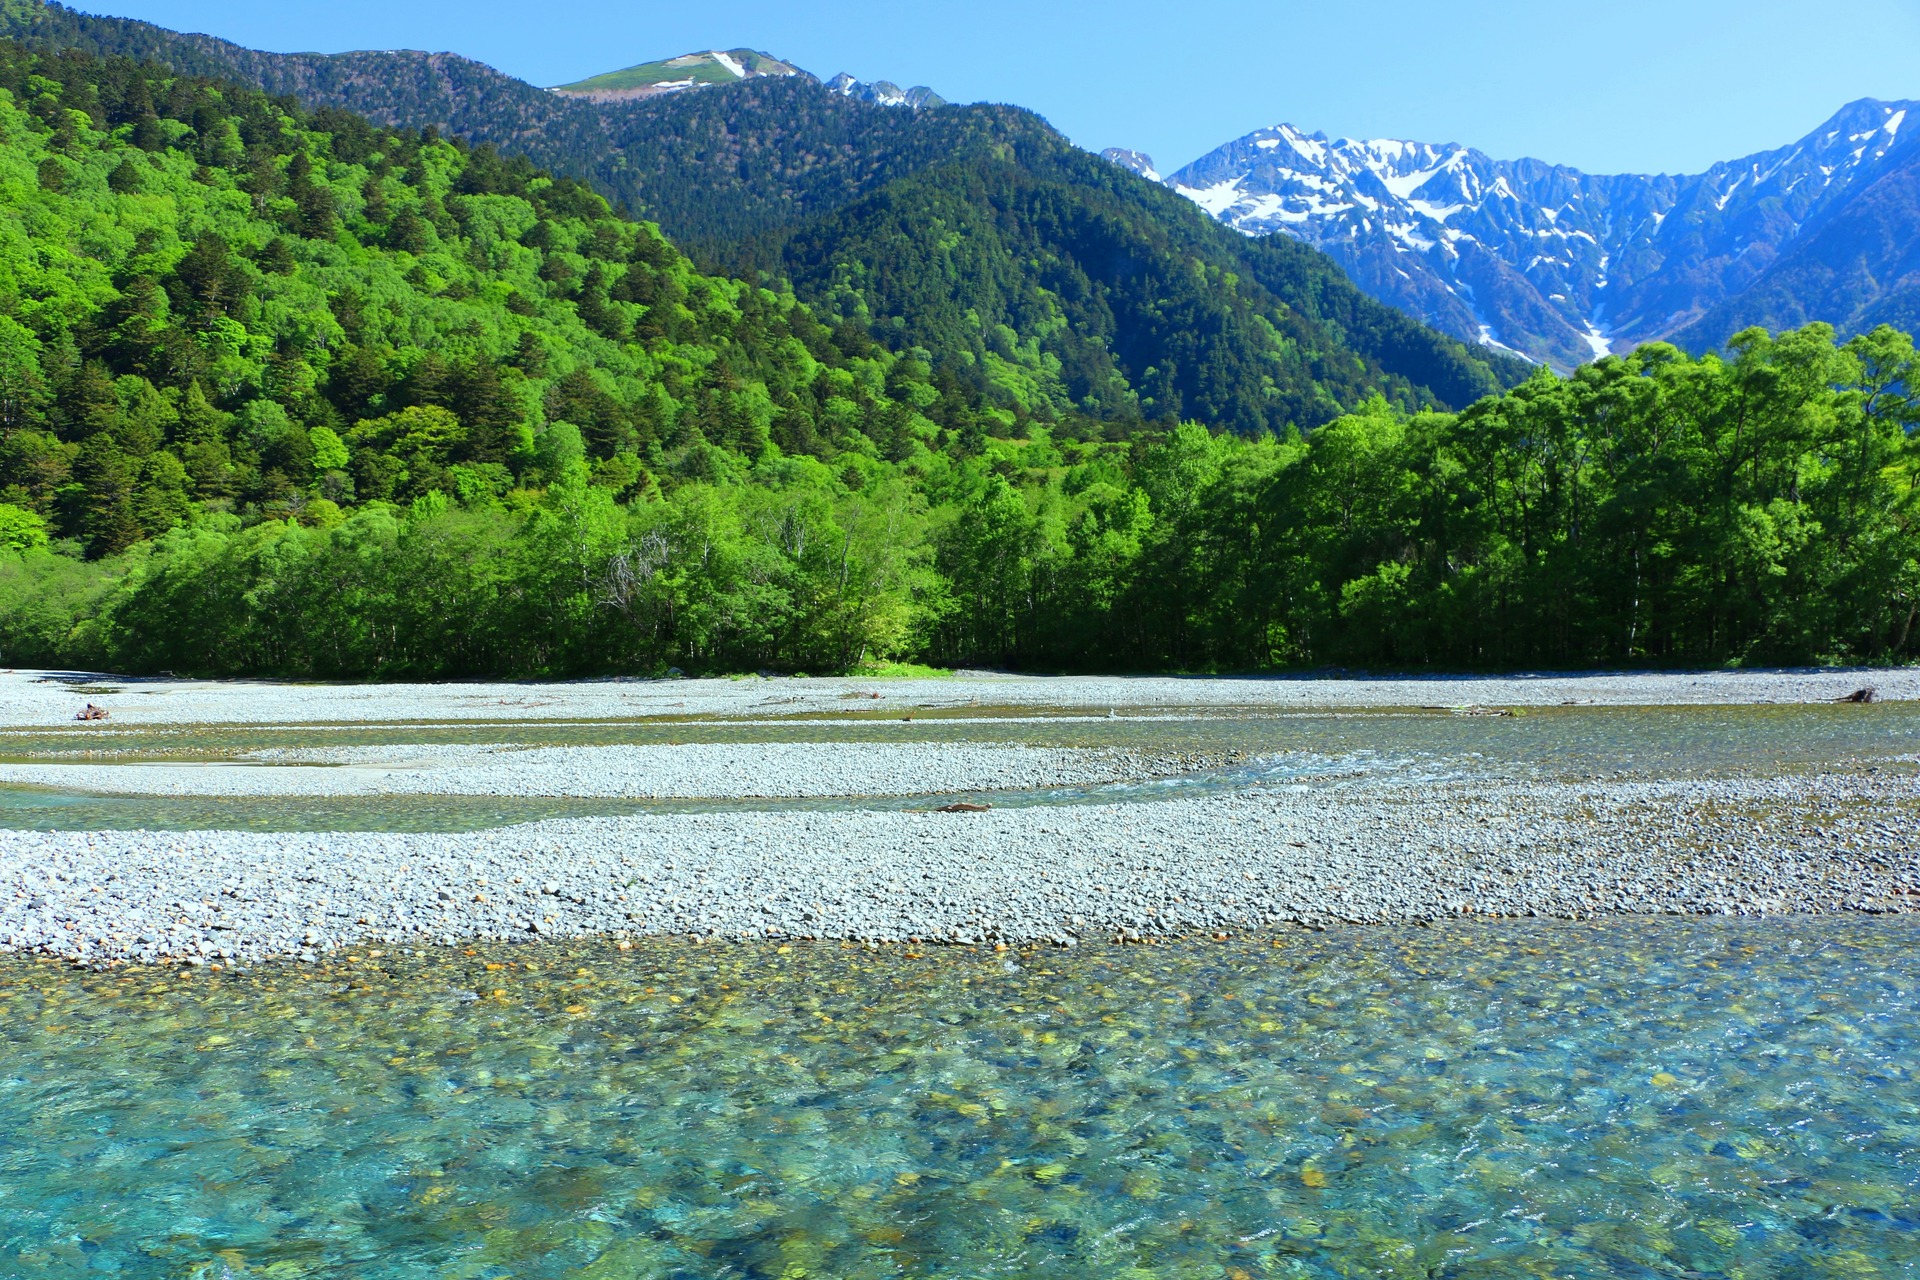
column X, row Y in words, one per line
column 901, row 671
column 1652, row 509
column 1058, row 283
column 272, row 309
column 794, row 572
column 51, row 605
column 21, row 530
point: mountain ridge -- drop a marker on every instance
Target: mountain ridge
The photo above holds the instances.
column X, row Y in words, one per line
column 615, row 146
column 884, row 93
column 1547, row 260
column 721, row 67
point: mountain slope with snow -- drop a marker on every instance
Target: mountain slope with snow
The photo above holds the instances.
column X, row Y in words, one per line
column 671, row 75
column 1561, row 265
column 697, row 70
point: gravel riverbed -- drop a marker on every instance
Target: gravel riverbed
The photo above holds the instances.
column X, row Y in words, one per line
column 1368, row 852
column 1363, row 845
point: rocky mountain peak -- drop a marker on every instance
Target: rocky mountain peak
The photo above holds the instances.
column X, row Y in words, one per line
column 1138, row 161
column 885, row 93
column 1543, row 259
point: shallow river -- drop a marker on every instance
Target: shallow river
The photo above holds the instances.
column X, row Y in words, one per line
column 1637, row 1098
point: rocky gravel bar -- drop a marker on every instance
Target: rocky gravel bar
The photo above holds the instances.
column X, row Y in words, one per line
column 1368, row 850
column 749, row 770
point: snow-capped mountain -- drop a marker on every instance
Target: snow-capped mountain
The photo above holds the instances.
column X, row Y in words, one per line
column 1557, row 264
column 885, row 93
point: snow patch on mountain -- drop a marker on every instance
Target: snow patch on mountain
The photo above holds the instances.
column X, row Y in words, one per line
column 1597, row 341
column 1138, row 161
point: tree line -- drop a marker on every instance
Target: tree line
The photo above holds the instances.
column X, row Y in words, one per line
column 1651, row 509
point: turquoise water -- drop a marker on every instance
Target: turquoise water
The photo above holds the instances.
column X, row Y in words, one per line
column 1638, row 1099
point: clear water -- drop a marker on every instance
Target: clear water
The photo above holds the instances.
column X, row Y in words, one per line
column 1559, row 742
column 1643, row 1099
column 1573, row 735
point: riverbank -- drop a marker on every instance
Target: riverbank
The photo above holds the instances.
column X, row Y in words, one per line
column 35, row 698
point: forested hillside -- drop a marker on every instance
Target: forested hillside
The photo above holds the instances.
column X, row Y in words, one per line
column 286, row 393
column 680, row 161
column 217, row 312
column 1024, row 268
column 1084, row 291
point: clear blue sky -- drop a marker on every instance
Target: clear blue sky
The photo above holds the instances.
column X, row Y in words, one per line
column 1634, row 85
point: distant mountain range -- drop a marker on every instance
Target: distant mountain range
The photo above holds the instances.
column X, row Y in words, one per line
column 1519, row 258
column 1561, row 265
column 674, row 157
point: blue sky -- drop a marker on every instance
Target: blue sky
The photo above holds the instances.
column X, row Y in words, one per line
column 1637, row 85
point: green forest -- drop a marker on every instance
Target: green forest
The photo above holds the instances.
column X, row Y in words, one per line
column 283, row 392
